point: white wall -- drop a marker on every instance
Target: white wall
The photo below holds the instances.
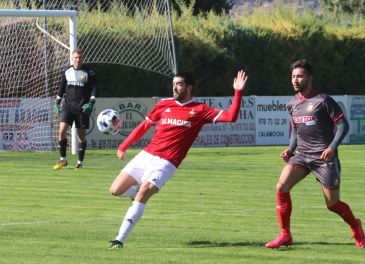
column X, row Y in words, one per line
column 263, row 120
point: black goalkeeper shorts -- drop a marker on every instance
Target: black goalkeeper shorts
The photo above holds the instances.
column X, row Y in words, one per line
column 82, row 120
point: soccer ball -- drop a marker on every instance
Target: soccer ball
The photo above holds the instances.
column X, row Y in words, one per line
column 109, row 121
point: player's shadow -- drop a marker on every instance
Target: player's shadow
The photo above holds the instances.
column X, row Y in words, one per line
column 206, row 244
column 322, row 243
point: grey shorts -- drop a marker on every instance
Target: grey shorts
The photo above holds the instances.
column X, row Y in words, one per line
column 328, row 173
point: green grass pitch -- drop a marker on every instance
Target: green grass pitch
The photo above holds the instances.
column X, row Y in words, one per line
column 218, row 208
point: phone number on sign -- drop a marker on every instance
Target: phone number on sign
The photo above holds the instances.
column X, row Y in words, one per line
column 14, row 136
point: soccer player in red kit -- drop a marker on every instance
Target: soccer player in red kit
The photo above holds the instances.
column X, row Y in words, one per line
column 178, row 121
column 318, row 127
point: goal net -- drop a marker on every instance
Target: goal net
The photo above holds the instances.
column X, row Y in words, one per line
column 36, row 49
column 30, row 67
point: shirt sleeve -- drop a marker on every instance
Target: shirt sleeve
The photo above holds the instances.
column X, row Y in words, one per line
column 231, row 114
column 155, row 113
column 293, row 139
column 92, row 83
column 336, row 114
column 63, row 83
column 342, row 127
column 151, row 118
column 136, row 134
column 332, row 108
column 293, row 130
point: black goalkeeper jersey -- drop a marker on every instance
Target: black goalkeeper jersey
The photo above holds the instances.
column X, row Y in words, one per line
column 314, row 119
column 78, row 86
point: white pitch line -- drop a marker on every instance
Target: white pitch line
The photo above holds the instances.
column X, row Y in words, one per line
column 26, row 223
column 45, row 222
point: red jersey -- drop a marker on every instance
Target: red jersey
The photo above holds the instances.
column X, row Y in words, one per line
column 177, row 126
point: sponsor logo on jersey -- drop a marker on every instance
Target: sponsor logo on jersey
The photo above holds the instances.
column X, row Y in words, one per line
column 308, row 120
column 75, row 83
column 310, row 108
column 76, row 77
column 176, row 122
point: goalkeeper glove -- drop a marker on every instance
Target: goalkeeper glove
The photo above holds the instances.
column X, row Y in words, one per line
column 88, row 108
column 56, row 106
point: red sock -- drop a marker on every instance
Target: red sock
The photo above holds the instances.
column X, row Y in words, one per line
column 283, row 210
column 343, row 210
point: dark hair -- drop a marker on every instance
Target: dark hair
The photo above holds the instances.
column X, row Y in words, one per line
column 303, row 63
column 188, row 78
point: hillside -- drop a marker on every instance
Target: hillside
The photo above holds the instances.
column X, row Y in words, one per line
column 247, row 6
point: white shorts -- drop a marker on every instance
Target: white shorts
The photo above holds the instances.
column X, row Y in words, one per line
column 147, row 167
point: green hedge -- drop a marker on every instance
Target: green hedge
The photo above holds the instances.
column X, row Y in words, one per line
column 213, row 47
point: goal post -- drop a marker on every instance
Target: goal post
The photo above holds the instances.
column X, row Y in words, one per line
column 28, row 65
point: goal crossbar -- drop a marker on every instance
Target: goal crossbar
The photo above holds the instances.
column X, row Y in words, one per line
column 38, row 13
column 71, row 14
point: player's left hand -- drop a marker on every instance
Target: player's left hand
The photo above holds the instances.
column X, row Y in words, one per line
column 327, row 154
column 239, row 83
column 56, row 108
column 88, row 108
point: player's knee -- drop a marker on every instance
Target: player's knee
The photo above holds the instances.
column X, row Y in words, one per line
column 333, row 205
column 145, row 192
column 114, row 191
column 280, row 187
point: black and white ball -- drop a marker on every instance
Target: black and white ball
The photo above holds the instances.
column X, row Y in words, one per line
column 109, row 121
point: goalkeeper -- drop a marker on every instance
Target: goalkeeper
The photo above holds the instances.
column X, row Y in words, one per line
column 78, row 87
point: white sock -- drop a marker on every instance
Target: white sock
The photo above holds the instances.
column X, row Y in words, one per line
column 63, row 159
column 131, row 192
column 131, row 218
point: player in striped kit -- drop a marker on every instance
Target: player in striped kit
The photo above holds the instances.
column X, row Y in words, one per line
column 318, row 127
column 178, row 121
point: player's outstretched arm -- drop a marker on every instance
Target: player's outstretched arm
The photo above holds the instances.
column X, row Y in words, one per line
column 239, row 83
column 136, row 134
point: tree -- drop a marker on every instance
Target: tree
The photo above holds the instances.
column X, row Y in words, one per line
column 218, row 6
column 350, row 7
